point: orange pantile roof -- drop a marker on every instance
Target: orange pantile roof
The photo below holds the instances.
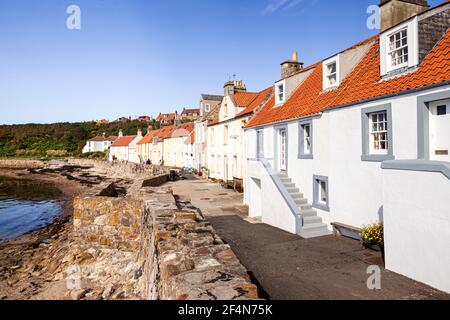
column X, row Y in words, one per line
column 183, row 130
column 148, row 138
column 244, row 99
column 166, row 116
column 123, row 141
column 260, row 98
column 362, row 84
column 165, row 132
column 190, row 139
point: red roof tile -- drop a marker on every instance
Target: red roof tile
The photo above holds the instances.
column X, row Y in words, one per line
column 361, row 84
column 190, row 139
column 259, row 99
column 183, row 130
column 244, row 99
column 148, row 138
column 166, row 116
column 123, row 141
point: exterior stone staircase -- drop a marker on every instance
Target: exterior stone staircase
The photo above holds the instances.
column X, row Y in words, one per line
column 313, row 225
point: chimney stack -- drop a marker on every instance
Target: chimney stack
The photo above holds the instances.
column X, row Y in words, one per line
column 120, row 133
column 290, row 67
column 234, row 86
column 139, row 133
column 394, row 12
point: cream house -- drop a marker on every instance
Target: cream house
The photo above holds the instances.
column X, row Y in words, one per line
column 225, row 132
column 99, row 144
column 174, row 147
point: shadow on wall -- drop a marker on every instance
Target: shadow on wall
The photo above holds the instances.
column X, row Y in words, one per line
column 380, row 215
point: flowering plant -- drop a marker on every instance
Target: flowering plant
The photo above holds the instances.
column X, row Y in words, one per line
column 373, row 234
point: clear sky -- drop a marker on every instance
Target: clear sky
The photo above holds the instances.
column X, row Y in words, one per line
column 142, row 57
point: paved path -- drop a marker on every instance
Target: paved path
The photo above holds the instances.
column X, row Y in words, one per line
column 288, row 267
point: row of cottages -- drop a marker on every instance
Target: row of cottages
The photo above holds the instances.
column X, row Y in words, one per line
column 99, row 144
column 209, row 106
column 171, row 145
column 225, row 130
column 124, row 148
column 363, row 136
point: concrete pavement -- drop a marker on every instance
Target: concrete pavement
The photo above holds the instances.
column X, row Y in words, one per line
column 288, row 267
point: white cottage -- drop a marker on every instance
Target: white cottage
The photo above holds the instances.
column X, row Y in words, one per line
column 99, row 144
column 125, row 148
column 364, row 136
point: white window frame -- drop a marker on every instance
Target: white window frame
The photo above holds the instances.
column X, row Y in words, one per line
column 326, row 83
column 391, row 50
column 280, row 97
column 374, row 132
column 411, row 26
column 225, row 135
column 207, row 107
column 260, row 144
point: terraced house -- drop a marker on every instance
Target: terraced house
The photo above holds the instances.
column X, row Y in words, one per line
column 362, row 136
column 225, row 131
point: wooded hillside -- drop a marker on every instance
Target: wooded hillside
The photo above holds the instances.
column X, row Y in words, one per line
column 39, row 140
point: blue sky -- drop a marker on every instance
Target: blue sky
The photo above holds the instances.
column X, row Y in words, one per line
column 139, row 57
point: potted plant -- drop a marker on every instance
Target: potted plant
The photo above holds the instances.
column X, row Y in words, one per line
column 372, row 237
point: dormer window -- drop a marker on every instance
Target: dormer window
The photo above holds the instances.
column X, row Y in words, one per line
column 280, row 92
column 399, row 48
column 331, row 73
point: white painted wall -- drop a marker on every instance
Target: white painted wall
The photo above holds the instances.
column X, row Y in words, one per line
column 417, row 225
column 355, row 186
column 97, row 146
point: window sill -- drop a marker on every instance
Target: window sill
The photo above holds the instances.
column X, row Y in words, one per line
column 321, row 206
column 377, row 157
column 305, row 156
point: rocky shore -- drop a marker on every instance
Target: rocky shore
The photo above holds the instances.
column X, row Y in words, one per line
column 117, row 238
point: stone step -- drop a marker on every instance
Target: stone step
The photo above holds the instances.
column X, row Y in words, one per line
column 308, row 213
column 293, row 190
column 300, row 201
column 289, row 185
column 305, row 206
column 315, row 234
column 311, row 220
column 297, row 196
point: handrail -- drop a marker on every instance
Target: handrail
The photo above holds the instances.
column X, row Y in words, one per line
column 286, row 196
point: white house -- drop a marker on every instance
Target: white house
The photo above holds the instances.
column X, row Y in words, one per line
column 225, row 152
column 125, row 147
column 364, row 136
column 209, row 107
column 99, row 144
column 174, row 146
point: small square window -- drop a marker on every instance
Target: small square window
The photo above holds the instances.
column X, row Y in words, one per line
column 321, row 193
column 441, row 110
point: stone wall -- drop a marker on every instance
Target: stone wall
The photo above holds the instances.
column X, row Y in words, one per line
column 111, row 222
column 179, row 254
column 431, row 30
column 21, row 164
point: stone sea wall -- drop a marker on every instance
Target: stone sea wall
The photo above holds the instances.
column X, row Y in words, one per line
column 21, row 164
column 179, row 255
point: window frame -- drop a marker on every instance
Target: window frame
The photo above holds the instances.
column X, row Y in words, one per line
column 333, row 60
column 317, row 203
column 386, row 67
column 260, row 144
column 301, row 139
column 279, row 101
column 389, row 51
column 367, row 153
